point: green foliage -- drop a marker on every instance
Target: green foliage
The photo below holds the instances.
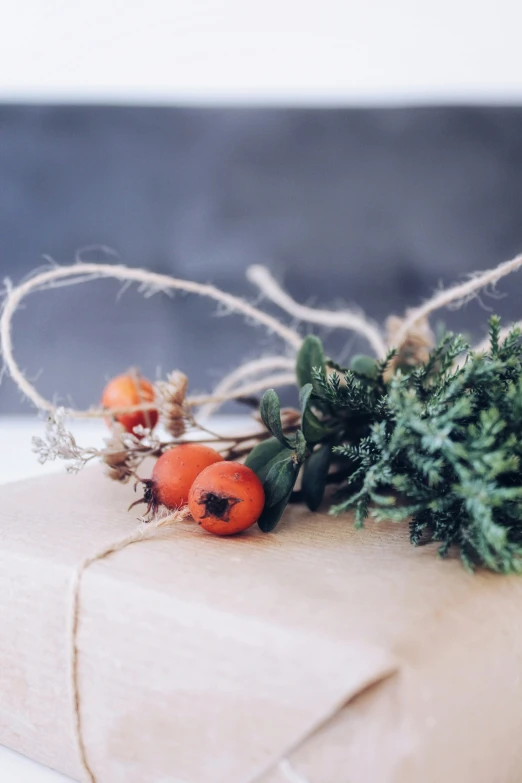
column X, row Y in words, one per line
column 270, row 411
column 272, row 514
column 447, row 442
column 263, row 456
column 364, row 366
column 439, row 444
column 310, row 357
column 280, row 481
column 315, row 473
column 314, row 430
column 278, row 466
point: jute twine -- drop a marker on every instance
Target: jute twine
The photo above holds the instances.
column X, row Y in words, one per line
column 143, row 532
column 234, row 385
column 276, row 370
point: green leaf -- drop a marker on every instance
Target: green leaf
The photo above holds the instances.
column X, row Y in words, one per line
column 304, row 397
column 313, row 429
column 310, row 356
column 280, row 481
column 315, row 473
column 270, row 410
column 263, row 455
column 440, row 444
column 300, row 446
column 271, row 515
column 364, row 366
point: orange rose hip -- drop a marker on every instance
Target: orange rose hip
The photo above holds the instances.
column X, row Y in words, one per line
column 226, row 498
column 174, row 473
column 125, row 391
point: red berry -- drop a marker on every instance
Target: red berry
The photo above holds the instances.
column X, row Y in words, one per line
column 226, row 498
column 125, row 391
column 174, row 473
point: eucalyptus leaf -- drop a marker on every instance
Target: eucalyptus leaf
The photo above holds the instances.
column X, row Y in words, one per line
column 271, row 515
column 263, row 455
column 304, row 397
column 280, row 481
column 315, row 473
column 313, row 429
column 300, row 446
column 310, row 356
column 270, row 410
column 365, row 366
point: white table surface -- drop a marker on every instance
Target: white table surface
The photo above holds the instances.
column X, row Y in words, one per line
column 18, row 462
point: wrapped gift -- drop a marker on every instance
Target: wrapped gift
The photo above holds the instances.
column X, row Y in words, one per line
column 315, row 654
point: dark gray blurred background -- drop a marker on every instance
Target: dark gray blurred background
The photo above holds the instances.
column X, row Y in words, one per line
column 349, row 206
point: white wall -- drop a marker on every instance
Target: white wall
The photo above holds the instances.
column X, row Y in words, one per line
column 297, row 51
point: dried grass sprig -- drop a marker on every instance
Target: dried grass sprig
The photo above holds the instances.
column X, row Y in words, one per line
column 171, row 400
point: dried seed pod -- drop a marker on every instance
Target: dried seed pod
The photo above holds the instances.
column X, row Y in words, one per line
column 171, row 398
column 120, row 461
column 415, row 348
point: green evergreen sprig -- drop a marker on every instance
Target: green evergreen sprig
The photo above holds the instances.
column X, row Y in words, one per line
column 439, row 444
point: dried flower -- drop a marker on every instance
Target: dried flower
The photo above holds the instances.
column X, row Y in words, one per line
column 123, row 453
column 120, row 461
column 171, row 398
column 59, row 443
